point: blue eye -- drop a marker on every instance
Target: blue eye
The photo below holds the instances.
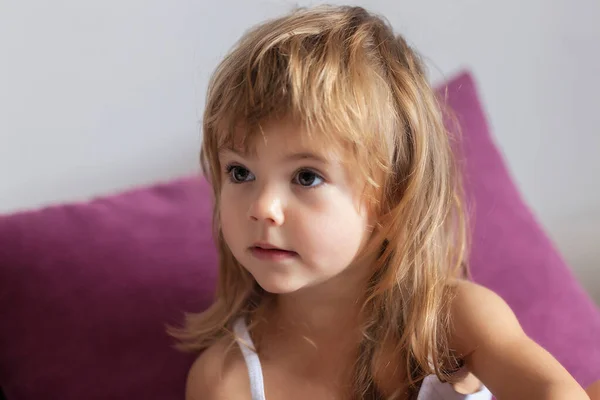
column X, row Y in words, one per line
column 239, row 174
column 308, row 178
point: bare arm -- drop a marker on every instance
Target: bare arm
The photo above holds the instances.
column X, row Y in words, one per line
column 497, row 351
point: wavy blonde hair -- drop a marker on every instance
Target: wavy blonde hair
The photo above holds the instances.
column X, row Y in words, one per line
column 342, row 72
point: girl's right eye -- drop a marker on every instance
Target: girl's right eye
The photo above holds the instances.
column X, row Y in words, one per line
column 239, row 174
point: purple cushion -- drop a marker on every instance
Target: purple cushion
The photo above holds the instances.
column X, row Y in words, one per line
column 86, row 289
column 513, row 256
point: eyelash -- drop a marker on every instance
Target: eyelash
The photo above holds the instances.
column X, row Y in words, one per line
column 229, row 168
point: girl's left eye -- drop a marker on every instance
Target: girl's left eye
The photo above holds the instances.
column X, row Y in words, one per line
column 308, row 178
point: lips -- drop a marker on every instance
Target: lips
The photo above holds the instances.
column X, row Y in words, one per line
column 265, row 251
column 268, row 246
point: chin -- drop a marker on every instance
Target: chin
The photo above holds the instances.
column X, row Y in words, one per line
column 278, row 285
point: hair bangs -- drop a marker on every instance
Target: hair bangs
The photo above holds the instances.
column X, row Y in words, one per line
column 324, row 79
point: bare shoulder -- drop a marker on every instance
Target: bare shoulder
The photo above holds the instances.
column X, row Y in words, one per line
column 488, row 337
column 219, row 373
column 478, row 316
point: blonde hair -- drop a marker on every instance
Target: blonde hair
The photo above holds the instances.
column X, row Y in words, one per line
column 343, row 73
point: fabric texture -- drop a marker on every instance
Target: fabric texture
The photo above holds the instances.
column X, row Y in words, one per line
column 257, row 387
column 86, row 289
column 513, row 256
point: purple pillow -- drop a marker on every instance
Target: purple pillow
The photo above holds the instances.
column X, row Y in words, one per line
column 86, row 289
column 514, row 257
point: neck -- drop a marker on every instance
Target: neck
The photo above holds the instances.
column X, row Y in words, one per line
column 322, row 311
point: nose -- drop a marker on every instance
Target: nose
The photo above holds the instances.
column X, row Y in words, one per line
column 267, row 206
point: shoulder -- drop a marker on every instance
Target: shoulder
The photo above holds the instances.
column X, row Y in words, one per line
column 478, row 317
column 486, row 334
column 218, row 373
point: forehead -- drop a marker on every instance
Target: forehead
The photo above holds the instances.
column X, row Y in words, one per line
column 283, row 136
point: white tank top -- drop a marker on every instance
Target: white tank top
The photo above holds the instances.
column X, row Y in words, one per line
column 431, row 389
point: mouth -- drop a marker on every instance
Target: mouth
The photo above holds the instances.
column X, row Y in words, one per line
column 265, row 251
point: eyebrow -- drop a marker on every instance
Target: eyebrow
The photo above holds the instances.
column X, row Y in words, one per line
column 305, row 155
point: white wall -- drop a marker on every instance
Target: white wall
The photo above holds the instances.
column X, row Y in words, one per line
column 96, row 97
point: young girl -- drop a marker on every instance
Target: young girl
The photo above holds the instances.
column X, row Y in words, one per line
column 339, row 223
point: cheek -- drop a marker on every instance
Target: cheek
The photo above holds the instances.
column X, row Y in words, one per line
column 230, row 217
column 336, row 233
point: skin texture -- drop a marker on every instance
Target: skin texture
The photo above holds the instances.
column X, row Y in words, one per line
column 288, row 195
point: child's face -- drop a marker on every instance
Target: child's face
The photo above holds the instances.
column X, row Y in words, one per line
column 290, row 212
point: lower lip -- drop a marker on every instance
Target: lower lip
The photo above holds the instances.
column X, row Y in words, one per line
column 272, row 254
